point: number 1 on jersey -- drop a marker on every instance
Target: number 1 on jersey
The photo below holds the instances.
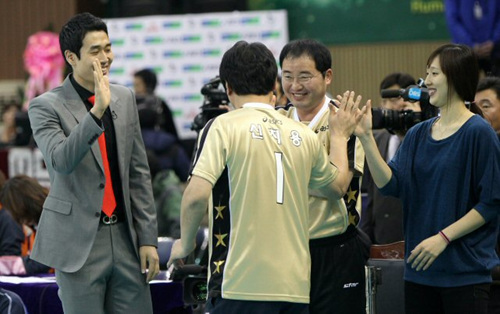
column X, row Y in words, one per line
column 280, row 177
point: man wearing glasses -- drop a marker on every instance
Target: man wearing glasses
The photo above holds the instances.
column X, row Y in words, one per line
column 338, row 254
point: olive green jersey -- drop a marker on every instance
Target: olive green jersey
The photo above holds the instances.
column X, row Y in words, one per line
column 261, row 165
column 328, row 217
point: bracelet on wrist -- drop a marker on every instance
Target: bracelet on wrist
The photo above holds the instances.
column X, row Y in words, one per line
column 444, row 237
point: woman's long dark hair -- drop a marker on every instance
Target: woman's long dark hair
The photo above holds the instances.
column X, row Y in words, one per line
column 459, row 64
column 23, row 197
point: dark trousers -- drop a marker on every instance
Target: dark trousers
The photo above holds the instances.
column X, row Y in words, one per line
column 494, row 304
column 471, row 299
column 338, row 273
column 226, row 306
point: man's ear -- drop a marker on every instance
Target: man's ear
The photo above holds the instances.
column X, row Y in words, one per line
column 329, row 76
column 229, row 90
column 70, row 57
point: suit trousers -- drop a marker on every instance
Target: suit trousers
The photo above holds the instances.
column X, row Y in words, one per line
column 110, row 281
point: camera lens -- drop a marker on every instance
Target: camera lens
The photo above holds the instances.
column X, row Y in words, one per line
column 200, row 291
column 395, row 120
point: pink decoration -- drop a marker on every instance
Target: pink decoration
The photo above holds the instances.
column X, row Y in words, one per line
column 44, row 62
column 12, row 265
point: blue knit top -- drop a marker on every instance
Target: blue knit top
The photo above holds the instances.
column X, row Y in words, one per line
column 439, row 181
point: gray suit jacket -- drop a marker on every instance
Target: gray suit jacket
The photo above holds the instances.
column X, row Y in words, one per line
column 66, row 134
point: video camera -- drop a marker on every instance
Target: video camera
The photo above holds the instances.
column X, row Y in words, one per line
column 215, row 95
column 402, row 120
column 194, row 282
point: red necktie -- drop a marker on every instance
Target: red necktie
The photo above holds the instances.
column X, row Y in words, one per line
column 109, row 201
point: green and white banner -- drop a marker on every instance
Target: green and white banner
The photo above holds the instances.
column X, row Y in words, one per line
column 185, row 51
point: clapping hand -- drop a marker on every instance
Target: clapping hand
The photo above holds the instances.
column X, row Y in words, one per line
column 364, row 127
column 101, row 89
column 345, row 118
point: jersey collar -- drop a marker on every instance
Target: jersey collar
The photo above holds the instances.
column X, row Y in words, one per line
column 318, row 116
column 257, row 105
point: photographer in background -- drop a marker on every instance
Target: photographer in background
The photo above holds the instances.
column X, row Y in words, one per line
column 382, row 218
column 145, row 82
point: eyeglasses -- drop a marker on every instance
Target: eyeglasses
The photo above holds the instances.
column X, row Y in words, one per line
column 302, row 79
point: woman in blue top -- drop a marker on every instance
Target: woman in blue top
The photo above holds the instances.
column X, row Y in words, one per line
column 447, row 174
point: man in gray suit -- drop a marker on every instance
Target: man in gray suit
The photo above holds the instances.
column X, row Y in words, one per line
column 98, row 225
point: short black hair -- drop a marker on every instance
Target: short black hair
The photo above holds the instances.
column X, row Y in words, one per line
column 148, row 118
column 74, row 31
column 403, row 80
column 149, row 78
column 317, row 51
column 249, row 69
column 490, row 82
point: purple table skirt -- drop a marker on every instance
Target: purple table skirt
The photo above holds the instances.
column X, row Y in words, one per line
column 42, row 298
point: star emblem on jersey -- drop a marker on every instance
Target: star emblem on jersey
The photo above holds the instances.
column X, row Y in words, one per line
column 218, row 265
column 220, row 239
column 351, row 195
column 353, row 220
column 219, row 210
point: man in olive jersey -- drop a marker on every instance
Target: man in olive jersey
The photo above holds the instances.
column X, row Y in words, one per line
column 257, row 166
column 338, row 248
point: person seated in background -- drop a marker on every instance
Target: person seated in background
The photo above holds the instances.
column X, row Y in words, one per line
column 11, row 303
column 15, row 129
column 488, row 99
column 23, row 197
column 170, row 154
column 169, row 165
column 8, row 133
column 382, row 218
column 145, row 82
column 11, row 233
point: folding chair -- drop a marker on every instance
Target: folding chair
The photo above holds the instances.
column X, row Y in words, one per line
column 384, row 281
